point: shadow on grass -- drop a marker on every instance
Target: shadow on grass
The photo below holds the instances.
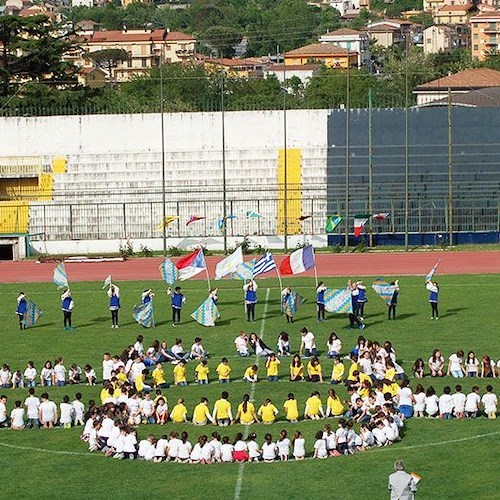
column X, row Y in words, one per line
column 405, row 315
column 454, row 312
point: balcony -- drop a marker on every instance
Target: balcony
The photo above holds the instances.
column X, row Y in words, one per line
column 491, row 30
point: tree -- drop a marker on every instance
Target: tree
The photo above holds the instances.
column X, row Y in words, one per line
column 108, row 59
column 33, row 50
column 223, row 39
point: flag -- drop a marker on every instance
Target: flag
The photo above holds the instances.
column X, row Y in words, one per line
column 380, row 216
column 32, row 314
column 60, row 276
column 359, row 221
column 264, row 264
column 207, row 314
column 107, row 282
column 252, row 214
column 229, row 264
column 191, row 265
column 291, row 303
column 245, row 271
column 222, row 224
column 166, row 221
column 194, row 218
column 169, row 272
column 332, row 221
column 384, row 290
column 431, row 273
column 143, row 314
column 338, row 301
column 299, row 261
column 304, row 217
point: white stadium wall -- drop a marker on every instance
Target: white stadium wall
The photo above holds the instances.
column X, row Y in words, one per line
column 109, row 187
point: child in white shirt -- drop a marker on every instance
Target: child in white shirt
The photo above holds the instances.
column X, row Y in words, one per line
column 490, row 402
column 254, row 452
column 66, row 413
column 269, row 449
column 320, row 446
column 458, row 402
column 299, row 446
column 17, row 417
column 283, row 445
column 226, row 450
column 446, row 404
column 78, row 409
column 472, row 403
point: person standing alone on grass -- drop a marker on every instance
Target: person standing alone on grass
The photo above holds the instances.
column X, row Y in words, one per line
column 401, row 484
column 433, row 288
column 250, row 290
column 67, row 305
column 320, row 301
column 178, row 299
column 394, row 301
column 114, row 304
column 22, row 307
column 353, row 319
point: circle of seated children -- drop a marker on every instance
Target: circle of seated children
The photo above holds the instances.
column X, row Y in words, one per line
column 369, row 360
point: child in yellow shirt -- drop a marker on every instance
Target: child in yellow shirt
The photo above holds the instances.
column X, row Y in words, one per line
column 159, row 377
column 272, row 365
column 250, row 374
column 180, row 373
column 314, row 407
column 338, row 370
column 224, row 371
column 268, row 412
column 179, row 412
column 202, row 372
column 291, row 409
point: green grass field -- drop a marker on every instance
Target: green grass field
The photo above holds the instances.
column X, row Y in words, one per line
column 457, row 459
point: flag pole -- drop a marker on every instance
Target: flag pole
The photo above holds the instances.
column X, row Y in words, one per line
column 279, row 278
column 316, row 274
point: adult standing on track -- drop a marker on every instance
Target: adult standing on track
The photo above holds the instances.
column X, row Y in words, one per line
column 67, row 305
column 114, row 304
column 22, row 307
column 433, row 288
column 250, row 290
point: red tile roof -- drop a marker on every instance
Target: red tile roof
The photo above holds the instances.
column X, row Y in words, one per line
column 138, row 36
column 343, row 31
column 457, row 8
column 486, row 15
column 469, row 78
column 319, row 50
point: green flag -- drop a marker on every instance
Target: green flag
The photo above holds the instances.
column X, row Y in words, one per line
column 332, row 221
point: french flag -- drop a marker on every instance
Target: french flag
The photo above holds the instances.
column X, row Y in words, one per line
column 191, row 265
column 299, row 261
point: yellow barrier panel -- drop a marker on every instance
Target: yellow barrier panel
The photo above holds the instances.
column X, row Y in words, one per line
column 14, row 216
column 294, row 191
column 59, row 164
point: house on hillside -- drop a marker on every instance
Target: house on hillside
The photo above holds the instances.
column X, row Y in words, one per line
column 250, row 67
column 304, row 72
column 459, row 83
column 146, row 49
column 445, row 38
column 389, row 32
column 455, row 14
column 355, row 41
column 485, row 32
column 327, row 54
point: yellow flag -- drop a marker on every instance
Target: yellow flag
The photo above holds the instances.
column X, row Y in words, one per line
column 166, row 222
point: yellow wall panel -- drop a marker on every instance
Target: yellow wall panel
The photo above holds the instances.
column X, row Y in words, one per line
column 45, row 185
column 59, row 164
column 14, row 216
column 293, row 199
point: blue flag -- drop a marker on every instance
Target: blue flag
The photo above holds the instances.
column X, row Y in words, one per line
column 207, row 314
column 60, row 276
column 291, row 302
column 169, row 272
column 244, row 271
column 432, row 272
column 32, row 314
column 264, row 264
column 143, row 314
column 338, row 301
column 384, row 290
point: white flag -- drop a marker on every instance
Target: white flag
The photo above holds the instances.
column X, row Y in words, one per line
column 107, row 282
column 230, row 264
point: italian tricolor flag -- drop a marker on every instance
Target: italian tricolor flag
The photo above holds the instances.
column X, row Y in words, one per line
column 359, row 222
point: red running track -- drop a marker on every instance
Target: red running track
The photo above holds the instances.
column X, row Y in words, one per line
column 335, row 265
